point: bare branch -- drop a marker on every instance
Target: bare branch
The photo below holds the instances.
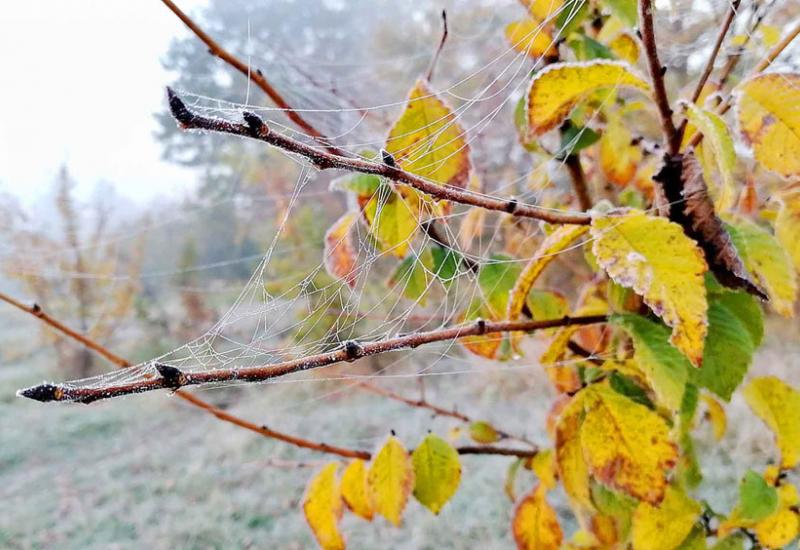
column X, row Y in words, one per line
column 255, row 76
column 765, row 62
column 349, row 352
column 671, row 138
column 701, row 82
column 435, row 59
column 422, row 403
column 256, row 128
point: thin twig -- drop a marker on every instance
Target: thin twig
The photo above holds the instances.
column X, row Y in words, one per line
column 256, row 128
column 422, row 403
column 701, row 82
column 437, row 53
column 255, row 76
column 756, row 18
column 671, row 139
column 172, row 378
column 765, row 62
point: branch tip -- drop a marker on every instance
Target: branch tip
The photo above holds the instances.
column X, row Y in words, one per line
column 43, row 393
column 178, row 108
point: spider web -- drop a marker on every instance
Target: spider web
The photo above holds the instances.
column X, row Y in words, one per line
column 264, row 327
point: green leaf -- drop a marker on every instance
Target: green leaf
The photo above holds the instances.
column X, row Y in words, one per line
column 437, row 472
column 696, row 540
column 757, row 499
column 586, row 49
column 483, row 432
column 747, row 310
column 691, row 398
column 445, row 263
column 546, row 304
column 732, row 542
column 666, row 368
column 363, row 185
column 624, row 10
column 728, row 352
column 624, row 385
column 574, row 138
column 570, row 16
column 496, row 278
column 413, row 276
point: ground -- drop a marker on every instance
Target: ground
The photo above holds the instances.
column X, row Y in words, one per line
column 151, row 472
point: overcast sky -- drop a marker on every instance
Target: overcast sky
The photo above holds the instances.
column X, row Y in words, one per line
column 81, row 80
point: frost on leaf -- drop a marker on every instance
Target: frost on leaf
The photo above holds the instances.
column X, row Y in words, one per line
column 768, row 109
column 322, row 506
column 556, row 90
column 428, row 141
column 653, row 257
column 530, row 37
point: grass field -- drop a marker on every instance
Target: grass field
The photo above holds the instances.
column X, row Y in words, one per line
column 150, row 472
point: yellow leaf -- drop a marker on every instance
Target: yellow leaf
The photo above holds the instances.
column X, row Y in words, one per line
column 322, row 507
column 570, row 462
column 544, row 466
column 437, row 472
column 354, row 489
column 535, row 524
column 486, row 345
column 530, row 37
column 626, row 445
column 716, row 135
column 770, row 34
column 428, row 141
column 777, row 404
column 543, row 10
column 779, row 529
column 716, row 414
column 392, row 221
column 787, row 226
column 626, row 47
column 390, row 480
column 557, row 349
column 618, row 158
column 555, row 243
column 556, row 90
column 769, row 118
column 483, row 432
column 666, row 526
column 770, row 264
column 340, row 253
column 659, row 262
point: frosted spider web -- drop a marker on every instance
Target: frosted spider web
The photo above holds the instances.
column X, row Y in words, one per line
column 263, row 327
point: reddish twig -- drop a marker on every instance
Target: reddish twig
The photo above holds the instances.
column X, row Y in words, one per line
column 255, row 76
column 573, row 164
column 422, row 403
column 256, row 128
column 657, row 70
column 173, row 378
column 701, row 82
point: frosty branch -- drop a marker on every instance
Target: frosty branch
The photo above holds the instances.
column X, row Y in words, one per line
column 255, row 128
column 173, row 378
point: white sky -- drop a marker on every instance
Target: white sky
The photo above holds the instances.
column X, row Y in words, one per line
column 80, row 82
